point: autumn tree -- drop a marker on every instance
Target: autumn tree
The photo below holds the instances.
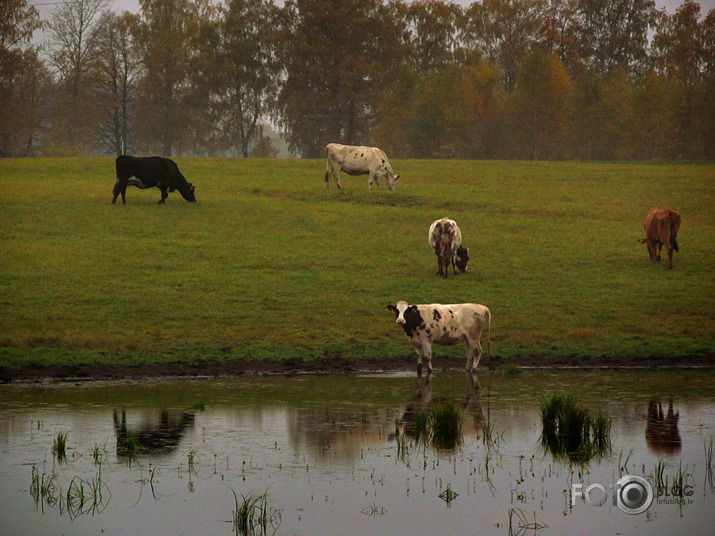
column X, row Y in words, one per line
column 433, row 31
column 706, row 101
column 681, row 55
column 334, row 73
column 73, row 31
column 539, row 106
column 117, row 67
column 650, row 128
column 23, row 79
column 165, row 34
column 614, row 33
column 503, row 32
column 241, row 72
column 559, row 33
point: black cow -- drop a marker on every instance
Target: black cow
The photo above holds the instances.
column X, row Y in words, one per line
column 150, row 171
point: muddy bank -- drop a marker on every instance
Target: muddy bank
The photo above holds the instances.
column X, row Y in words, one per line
column 333, row 366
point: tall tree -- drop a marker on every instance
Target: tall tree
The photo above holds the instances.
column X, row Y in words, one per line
column 433, row 27
column 23, row 79
column 503, row 32
column 243, row 72
column 117, row 71
column 587, row 139
column 681, row 52
column 165, row 35
column 539, row 106
column 334, row 72
column 560, row 33
column 73, row 30
column 650, row 127
column 614, row 33
column 706, row 100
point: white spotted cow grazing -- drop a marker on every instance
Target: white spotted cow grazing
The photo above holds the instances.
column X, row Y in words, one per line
column 446, row 325
column 358, row 160
column 150, row 171
column 445, row 239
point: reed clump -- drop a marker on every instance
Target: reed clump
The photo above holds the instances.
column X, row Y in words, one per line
column 570, row 431
column 440, row 425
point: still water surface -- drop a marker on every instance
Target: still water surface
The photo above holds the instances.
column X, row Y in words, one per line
column 325, row 450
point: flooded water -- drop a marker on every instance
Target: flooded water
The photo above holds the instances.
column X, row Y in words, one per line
column 336, row 456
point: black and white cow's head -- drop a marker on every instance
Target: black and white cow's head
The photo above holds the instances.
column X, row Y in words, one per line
column 461, row 258
column 407, row 316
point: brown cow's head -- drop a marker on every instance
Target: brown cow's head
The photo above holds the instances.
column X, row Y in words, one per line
column 461, row 258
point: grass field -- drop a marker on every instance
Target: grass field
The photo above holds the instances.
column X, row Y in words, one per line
column 270, row 264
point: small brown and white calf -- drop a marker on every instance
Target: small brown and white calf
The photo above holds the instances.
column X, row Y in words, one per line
column 446, row 325
column 445, row 239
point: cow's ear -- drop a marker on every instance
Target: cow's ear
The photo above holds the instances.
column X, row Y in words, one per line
column 412, row 308
column 392, row 307
column 397, row 178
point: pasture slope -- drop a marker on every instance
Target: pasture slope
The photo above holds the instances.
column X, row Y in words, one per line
column 270, row 270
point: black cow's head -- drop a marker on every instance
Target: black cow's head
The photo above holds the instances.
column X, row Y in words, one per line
column 461, row 258
column 187, row 192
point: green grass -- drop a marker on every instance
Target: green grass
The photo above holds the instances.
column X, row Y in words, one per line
column 270, row 264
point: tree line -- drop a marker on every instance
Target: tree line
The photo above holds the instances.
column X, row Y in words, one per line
column 516, row 79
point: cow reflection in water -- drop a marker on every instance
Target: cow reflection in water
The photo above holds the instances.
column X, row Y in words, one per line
column 661, row 430
column 422, row 399
column 155, row 432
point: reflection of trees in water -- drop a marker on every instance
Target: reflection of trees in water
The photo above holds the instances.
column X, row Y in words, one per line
column 337, row 433
column 157, row 431
column 661, row 430
column 344, row 433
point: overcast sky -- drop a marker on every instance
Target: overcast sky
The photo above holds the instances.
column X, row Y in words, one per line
column 45, row 6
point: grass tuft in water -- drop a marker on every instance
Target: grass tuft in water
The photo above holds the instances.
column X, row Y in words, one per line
column 422, row 426
column 446, row 423
column 59, row 447
column 131, row 447
column 569, row 431
column 439, row 425
column 252, row 517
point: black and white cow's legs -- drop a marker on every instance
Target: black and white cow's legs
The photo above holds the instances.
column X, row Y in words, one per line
column 474, row 354
column 424, row 352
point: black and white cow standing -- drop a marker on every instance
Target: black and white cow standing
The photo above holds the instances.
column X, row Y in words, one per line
column 447, row 325
column 358, row 160
column 445, row 239
column 149, row 171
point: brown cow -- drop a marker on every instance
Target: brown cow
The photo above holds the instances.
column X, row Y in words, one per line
column 661, row 228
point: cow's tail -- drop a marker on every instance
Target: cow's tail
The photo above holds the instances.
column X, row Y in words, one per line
column 488, row 316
